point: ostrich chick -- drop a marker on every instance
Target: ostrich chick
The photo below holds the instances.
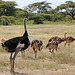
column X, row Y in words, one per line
column 36, row 45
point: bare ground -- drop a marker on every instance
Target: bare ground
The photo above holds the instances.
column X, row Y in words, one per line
column 42, row 72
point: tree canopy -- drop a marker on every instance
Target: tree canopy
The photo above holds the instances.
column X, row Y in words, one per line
column 40, row 7
column 69, row 6
column 7, row 8
column 9, row 14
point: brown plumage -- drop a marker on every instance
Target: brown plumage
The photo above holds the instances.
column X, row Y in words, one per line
column 68, row 39
column 36, row 45
column 56, row 38
column 53, row 45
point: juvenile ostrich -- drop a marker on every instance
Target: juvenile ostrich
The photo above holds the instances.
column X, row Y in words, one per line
column 53, row 45
column 53, row 38
column 56, row 38
column 68, row 39
column 36, row 45
column 15, row 45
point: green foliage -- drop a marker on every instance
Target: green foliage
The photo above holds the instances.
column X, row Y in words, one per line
column 19, row 21
column 52, row 11
column 31, row 15
column 6, row 20
column 53, row 17
column 40, row 7
column 57, row 17
column 38, row 19
column 69, row 7
column 21, row 13
column 7, row 8
column 47, row 16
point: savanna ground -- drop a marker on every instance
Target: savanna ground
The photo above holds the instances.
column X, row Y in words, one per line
column 62, row 63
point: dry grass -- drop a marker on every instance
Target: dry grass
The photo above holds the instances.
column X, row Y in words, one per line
column 62, row 63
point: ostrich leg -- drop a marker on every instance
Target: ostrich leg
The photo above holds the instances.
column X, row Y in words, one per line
column 11, row 61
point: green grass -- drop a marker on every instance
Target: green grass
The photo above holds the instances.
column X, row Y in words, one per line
column 59, row 22
column 19, row 21
column 64, row 59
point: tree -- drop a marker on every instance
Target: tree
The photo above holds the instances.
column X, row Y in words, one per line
column 38, row 19
column 40, row 7
column 21, row 13
column 69, row 6
column 7, row 8
column 6, row 20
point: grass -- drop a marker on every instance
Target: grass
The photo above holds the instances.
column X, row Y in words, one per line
column 19, row 21
column 60, row 22
column 63, row 62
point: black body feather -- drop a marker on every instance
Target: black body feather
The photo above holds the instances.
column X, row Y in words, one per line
column 11, row 44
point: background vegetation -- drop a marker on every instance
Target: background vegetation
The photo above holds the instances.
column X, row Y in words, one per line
column 38, row 13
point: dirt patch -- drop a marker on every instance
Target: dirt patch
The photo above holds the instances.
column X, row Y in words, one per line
column 41, row 72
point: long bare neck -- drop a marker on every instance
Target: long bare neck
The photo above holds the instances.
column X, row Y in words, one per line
column 65, row 35
column 25, row 34
column 25, row 25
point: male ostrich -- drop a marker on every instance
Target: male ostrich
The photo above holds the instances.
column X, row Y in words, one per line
column 68, row 39
column 36, row 45
column 15, row 45
column 4, row 39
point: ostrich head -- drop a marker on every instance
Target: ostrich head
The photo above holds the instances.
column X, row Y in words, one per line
column 2, row 40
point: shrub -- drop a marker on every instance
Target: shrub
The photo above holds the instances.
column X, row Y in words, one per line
column 57, row 17
column 6, row 20
column 47, row 16
column 38, row 19
column 31, row 16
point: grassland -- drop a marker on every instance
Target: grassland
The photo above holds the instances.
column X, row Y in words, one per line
column 62, row 63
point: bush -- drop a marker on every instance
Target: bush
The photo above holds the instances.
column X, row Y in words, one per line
column 6, row 20
column 31, row 16
column 57, row 17
column 38, row 19
column 47, row 16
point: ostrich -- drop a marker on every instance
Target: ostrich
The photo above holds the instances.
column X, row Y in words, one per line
column 68, row 39
column 56, row 38
column 15, row 45
column 4, row 39
column 53, row 38
column 53, row 45
column 36, row 45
